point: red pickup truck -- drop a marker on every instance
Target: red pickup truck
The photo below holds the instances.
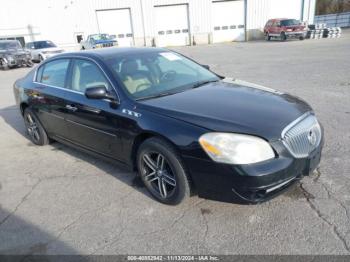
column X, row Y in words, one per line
column 284, row 28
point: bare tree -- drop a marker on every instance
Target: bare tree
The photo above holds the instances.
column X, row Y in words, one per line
column 332, row 6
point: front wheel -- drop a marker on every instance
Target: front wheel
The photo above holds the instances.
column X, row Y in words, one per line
column 301, row 38
column 283, row 36
column 35, row 130
column 267, row 36
column 162, row 171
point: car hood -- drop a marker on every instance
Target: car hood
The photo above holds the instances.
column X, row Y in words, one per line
column 295, row 27
column 232, row 106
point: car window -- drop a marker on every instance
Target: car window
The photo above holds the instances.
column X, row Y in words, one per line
column 30, row 45
column 54, row 73
column 290, row 22
column 43, row 44
column 151, row 74
column 86, row 74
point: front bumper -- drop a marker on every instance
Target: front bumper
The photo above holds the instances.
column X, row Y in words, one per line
column 295, row 34
column 16, row 61
column 252, row 183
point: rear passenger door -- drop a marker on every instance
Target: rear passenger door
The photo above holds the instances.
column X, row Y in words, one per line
column 47, row 98
column 92, row 123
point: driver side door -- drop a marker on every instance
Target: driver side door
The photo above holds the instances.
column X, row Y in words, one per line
column 93, row 124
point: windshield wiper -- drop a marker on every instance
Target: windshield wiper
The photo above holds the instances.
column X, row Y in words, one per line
column 155, row 96
column 202, row 83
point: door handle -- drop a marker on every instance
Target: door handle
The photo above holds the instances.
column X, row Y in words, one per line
column 71, row 108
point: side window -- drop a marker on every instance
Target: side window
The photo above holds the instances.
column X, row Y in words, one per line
column 86, row 74
column 54, row 73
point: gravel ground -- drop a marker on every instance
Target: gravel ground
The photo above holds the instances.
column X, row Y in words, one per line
column 56, row 200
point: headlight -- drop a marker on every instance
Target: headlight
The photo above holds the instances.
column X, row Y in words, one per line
column 236, row 148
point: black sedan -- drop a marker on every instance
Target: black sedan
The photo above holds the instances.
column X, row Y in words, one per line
column 185, row 129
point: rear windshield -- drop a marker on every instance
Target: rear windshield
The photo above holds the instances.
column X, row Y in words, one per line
column 290, row 22
column 8, row 45
column 43, row 44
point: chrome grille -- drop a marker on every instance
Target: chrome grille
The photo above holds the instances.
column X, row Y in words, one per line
column 302, row 136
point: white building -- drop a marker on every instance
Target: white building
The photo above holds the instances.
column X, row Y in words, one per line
column 146, row 22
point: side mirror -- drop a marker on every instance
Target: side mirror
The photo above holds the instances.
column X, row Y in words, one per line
column 99, row 92
column 206, row 67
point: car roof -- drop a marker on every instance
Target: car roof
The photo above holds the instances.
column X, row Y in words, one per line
column 105, row 53
column 8, row 41
column 280, row 19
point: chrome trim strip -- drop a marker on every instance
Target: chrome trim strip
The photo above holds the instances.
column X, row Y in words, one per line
column 279, row 185
column 89, row 127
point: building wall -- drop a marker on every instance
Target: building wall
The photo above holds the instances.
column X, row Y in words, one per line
column 61, row 20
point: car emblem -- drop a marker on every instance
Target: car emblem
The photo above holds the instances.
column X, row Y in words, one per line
column 131, row 113
column 312, row 138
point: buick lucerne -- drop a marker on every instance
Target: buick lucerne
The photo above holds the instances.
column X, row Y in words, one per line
column 185, row 129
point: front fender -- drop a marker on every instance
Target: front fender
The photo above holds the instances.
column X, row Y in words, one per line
column 182, row 135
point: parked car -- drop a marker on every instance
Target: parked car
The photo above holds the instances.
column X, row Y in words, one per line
column 41, row 50
column 12, row 55
column 98, row 41
column 184, row 128
column 284, row 28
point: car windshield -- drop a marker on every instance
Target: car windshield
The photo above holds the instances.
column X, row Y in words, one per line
column 153, row 74
column 43, row 44
column 101, row 37
column 10, row 45
column 290, row 22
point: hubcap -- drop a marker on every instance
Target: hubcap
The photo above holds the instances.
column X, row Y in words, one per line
column 158, row 174
column 32, row 127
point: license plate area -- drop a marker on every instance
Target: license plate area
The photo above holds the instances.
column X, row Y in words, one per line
column 312, row 162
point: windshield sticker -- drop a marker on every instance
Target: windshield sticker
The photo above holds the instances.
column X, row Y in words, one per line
column 170, row 56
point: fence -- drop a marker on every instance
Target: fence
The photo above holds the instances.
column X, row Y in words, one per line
column 334, row 20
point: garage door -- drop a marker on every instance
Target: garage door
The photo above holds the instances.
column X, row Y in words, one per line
column 116, row 22
column 172, row 26
column 286, row 8
column 228, row 21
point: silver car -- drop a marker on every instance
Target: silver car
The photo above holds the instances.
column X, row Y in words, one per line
column 41, row 50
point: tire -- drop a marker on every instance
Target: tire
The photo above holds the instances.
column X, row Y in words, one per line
column 162, row 171
column 29, row 63
column 267, row 36
column 283, row 36
column 301, row 38
column 4, row 65
column 34, row 129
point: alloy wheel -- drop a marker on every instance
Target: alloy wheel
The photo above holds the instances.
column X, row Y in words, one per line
column 158, row 174
column 32, row 127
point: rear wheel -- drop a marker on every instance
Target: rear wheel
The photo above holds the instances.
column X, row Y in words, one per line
column 162, row 171
column 4, row 65
column 35, row 130
column 301, row 38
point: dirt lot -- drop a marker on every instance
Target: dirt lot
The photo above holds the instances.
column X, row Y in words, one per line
column 56, row 200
